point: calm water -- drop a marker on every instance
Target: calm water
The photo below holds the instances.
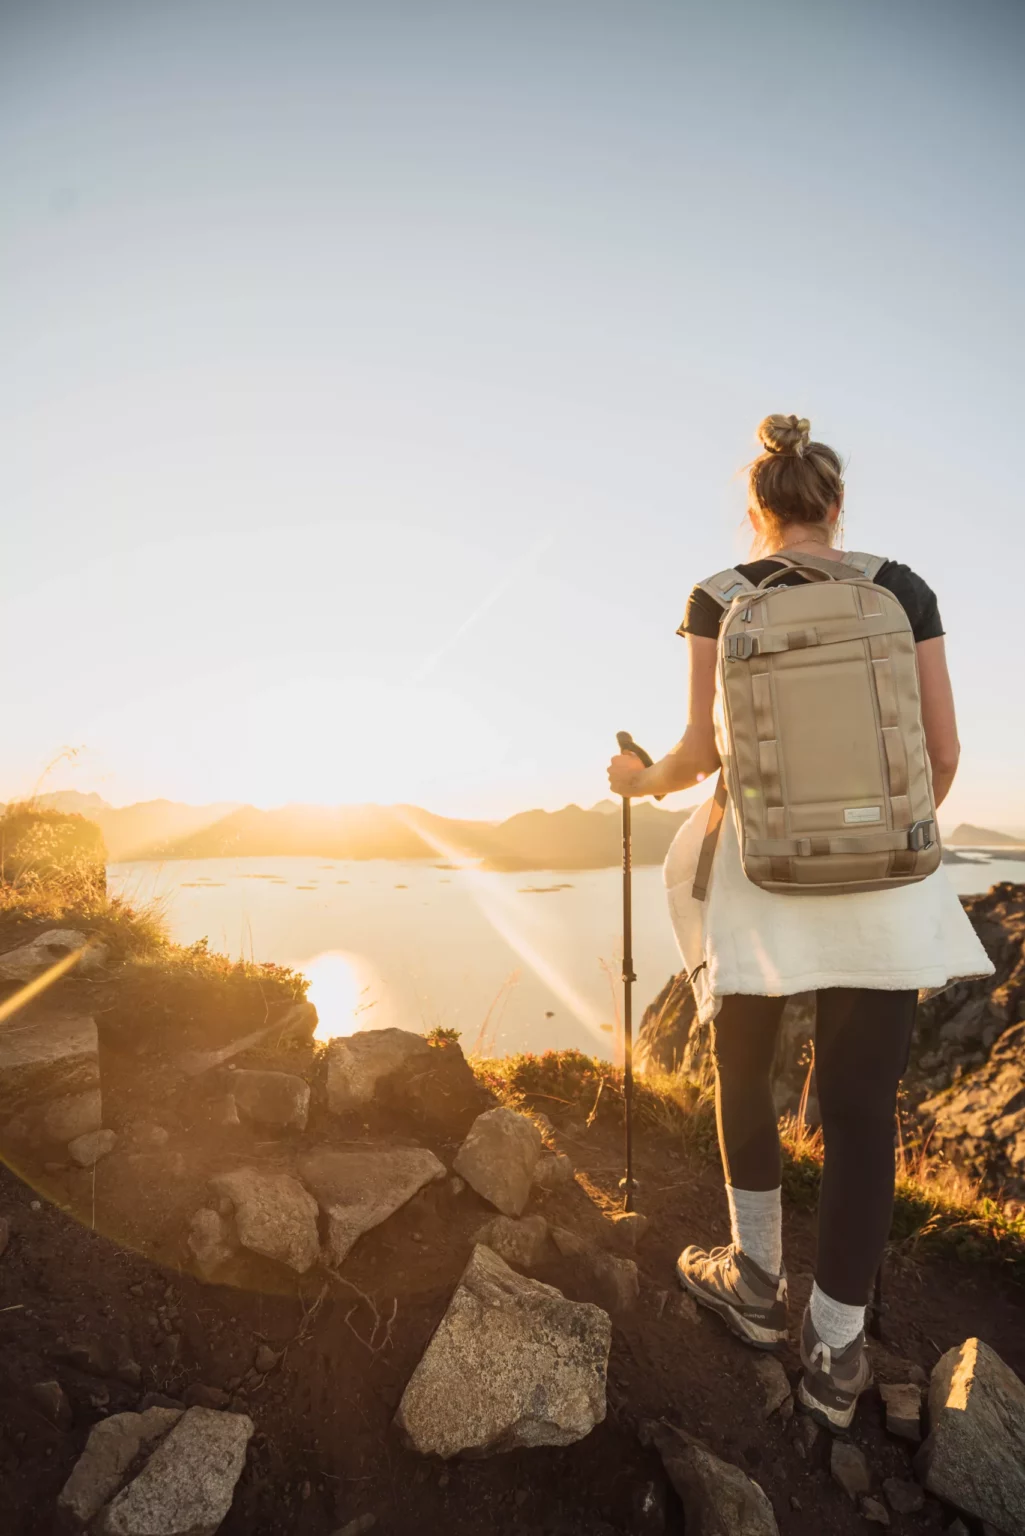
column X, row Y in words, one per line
column 513, row 961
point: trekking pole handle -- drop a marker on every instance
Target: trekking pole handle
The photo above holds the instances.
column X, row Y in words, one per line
column 627, row 744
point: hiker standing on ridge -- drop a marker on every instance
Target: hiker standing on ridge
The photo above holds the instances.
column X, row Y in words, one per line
column 818, row 681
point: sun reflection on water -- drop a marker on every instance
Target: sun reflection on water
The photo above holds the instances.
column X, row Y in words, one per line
column 340, row 987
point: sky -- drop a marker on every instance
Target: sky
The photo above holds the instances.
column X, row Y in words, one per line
column 375, row 379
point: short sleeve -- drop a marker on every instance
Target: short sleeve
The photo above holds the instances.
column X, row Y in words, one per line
column 702, row 617
column 917, row 599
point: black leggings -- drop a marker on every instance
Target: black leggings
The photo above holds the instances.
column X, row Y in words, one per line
column 862, row 1041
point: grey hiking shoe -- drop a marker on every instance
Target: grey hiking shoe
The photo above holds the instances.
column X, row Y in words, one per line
column 753, row 1303
column 833, row 1379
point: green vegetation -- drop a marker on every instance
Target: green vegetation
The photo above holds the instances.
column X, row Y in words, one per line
column 52, row 875
column 935, row 1213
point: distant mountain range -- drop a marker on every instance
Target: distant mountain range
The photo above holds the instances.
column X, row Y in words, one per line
column 967, row 836
column 559, row 840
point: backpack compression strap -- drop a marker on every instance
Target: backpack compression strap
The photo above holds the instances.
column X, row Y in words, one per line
column 724, row 586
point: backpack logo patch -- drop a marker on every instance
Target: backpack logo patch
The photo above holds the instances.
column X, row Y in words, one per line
column 859, row 813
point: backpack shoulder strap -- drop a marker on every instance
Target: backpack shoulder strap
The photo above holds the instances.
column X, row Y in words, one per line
column 868, row 565
column 724, row 586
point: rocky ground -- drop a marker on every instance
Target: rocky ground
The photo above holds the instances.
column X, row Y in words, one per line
column 251, row 1285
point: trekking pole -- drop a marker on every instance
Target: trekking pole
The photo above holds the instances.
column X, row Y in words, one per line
column 628, row 1184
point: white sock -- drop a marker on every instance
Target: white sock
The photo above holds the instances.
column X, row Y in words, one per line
column 756, row 1222
column 834, row 1321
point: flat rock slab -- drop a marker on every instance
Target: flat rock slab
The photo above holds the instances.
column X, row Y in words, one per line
column 498, row 1158
column 45, row 950
column 359, row 1190
column 187, row 1485
column 277, row 1099
column 974, row 1456
column 718, row 1498
column 274, row 1215
column 110, row 1450
column 50, row 1074
column 512, row 1363
column 356, row 1064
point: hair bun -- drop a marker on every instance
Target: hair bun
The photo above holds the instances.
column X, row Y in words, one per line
column 785, row 434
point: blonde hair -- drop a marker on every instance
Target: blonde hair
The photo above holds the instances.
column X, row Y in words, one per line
column 794, row 481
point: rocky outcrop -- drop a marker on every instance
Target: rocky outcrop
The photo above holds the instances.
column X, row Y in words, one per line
column 671, row 1038
column 359, row 1190
column 187, row 1485
column 274, row 1215
column 498, row 1158
column 974, row 1456
column 980, row 1123
column 512, row 1363
column 718, row 1498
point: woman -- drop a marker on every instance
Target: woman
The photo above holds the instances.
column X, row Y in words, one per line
column 748, row 949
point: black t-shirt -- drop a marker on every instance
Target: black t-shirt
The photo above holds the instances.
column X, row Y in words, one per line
column 915, row 596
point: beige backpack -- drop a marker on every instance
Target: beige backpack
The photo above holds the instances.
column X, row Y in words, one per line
column 818, row 722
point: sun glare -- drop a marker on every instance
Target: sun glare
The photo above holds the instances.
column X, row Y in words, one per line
column 340, row 992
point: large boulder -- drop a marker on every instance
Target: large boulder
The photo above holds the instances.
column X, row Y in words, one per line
column 718, row 1498
column 110, row 1450
column 498, row 1158
column 356, row 1064
column 187, row 1485
column 280, row 1100
column 974, row 1455
column 359, row 1190
column 512, row 1363
column 274, row 1215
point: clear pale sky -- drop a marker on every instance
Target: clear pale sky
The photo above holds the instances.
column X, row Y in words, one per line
column 374, row 378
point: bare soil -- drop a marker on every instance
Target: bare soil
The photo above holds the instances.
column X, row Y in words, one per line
column 99, row 1264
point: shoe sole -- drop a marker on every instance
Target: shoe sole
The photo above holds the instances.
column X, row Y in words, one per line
column 751, row 1333
column 834, row 1419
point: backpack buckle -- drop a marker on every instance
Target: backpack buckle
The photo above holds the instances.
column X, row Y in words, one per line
column 740, row 647
column 921, row 835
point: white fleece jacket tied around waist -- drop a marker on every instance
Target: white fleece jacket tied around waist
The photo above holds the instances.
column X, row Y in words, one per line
column 745, row 939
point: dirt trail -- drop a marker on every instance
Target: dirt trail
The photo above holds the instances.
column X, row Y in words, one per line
column 324, row 1451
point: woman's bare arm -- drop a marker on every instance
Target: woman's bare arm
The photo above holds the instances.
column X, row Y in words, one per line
column 695, row 756
column 938, row 716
